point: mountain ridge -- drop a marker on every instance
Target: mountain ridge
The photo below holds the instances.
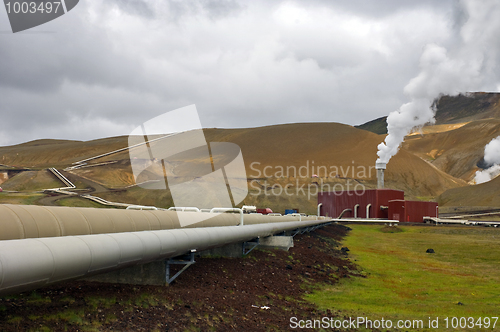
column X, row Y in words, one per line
column 435, row 163
column 463, row 107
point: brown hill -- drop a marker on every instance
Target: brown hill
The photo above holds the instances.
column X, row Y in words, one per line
column 335, row 152
column 485, row 194
column 456, row 152
column 337, row 147
column 56, row 153
column 467, row 107
column 452, row 110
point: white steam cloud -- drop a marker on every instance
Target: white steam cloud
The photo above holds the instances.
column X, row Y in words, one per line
column 470, row 66
column 491, row 157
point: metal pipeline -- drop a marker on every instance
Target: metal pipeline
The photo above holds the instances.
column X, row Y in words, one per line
column 319, row 209
column 31, row 221
column 240, row 211
column 27, row 264
column 343, row 212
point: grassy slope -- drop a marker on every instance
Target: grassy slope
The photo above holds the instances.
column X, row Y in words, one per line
column 32, row 181
column 377, row 126
column 79, row 202
column 417, row 285
column 20, row 198
column 112, row 175
column 158, row 198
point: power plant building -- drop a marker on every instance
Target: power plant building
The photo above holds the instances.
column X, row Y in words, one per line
column 374, row 203
column 411, row 211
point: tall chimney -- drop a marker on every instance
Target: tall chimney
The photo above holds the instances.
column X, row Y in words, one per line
column 380, row 167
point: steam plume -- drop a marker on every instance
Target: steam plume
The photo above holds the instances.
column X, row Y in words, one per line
column 470, row 65
column 491, row 157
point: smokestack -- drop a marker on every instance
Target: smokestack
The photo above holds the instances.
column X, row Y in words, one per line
column 380, row 167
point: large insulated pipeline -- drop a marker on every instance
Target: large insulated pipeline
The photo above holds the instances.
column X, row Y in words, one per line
column 27, row 264
column 30, row 221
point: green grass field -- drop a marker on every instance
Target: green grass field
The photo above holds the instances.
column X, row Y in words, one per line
column 404, row 282
column 20, row 198
column 79, row 202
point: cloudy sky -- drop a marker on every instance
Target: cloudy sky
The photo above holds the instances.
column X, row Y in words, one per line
column 105, row 67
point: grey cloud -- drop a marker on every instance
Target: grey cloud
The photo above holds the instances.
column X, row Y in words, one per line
column 381, row 8
column 214, row 9
column 135, row 7
column 108, row 71
column 80, row 54
column 221, row 8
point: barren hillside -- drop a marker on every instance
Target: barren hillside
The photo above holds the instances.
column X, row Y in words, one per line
column 315, row 155
column 329, row 150
column 456, row 152
column 450, row 110
column 485, row 194
column 467, row 107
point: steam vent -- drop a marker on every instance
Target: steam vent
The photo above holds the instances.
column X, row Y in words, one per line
column 380, row 167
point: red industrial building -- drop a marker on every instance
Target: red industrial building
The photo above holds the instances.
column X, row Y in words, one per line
column 411, row 211
column 374, row 203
